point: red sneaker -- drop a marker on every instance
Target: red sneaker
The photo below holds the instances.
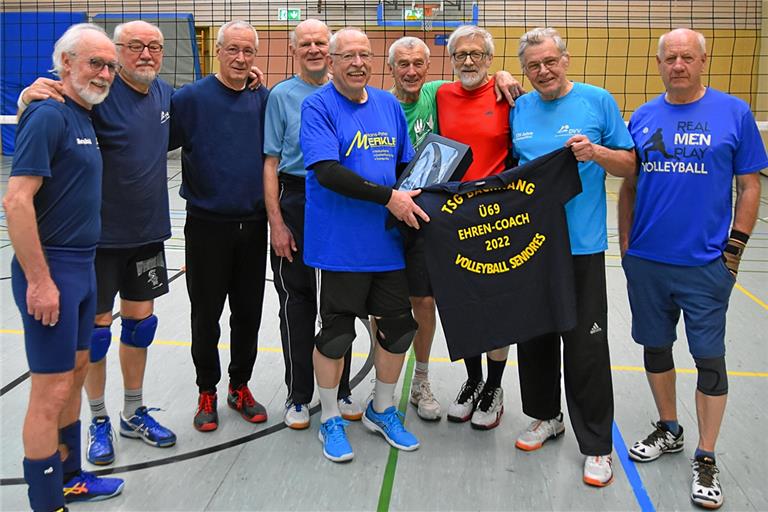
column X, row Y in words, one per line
column 241, row 399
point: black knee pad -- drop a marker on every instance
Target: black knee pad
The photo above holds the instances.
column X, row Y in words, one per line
column 395, row 333
column 712, row 380
column 336, row 336
column 658, row 360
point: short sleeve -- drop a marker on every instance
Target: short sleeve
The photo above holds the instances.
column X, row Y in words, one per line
column 318, row 134
column 39, row 134
column 750, row 153
column 274, row 126
column 615, row 133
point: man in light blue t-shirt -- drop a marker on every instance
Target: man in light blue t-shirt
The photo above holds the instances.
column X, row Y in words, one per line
column 674, row 217
column 586, row 118
column 284, row 198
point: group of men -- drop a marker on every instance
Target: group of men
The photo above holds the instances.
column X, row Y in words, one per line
column 308, row 168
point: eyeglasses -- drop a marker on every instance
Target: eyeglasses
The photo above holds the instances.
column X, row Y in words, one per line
column 349, row 57
column 138, row 46
column 98, row 64
column 232, row 51
column 550, row 63
column 474, row 56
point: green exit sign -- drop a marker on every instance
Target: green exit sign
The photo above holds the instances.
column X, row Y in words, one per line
column 288, row 14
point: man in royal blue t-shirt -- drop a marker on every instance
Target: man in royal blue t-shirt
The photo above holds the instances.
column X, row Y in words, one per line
column 674, row 217
column 354, row 138
column 133, row 128
column 219, row 124
column 52, row 206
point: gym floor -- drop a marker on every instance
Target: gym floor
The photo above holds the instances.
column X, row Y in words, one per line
column 242, row 466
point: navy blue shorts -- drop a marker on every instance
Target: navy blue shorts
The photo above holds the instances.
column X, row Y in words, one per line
column 658, row 292
column 53, row 349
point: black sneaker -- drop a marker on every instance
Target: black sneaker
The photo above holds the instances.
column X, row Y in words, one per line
column 705, row 488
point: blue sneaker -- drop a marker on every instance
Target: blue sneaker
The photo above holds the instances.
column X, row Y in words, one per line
column 143, row 426
column 101, row 440
column 86, row 486
column 390, row 424
column 336, row 447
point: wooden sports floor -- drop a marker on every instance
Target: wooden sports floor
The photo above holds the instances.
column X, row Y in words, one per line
column 269, row 467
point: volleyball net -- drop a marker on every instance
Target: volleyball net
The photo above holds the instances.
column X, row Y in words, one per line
column 612, row 43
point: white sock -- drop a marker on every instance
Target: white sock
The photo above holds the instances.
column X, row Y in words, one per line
column 132, row 400
column 421, row 372
column 384, row 395
column 329, row 405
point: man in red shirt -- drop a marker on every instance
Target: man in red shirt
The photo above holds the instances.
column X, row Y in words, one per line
column 468, row 112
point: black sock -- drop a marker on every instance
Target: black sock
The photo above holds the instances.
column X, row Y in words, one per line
column 474, row 368
column 495, row 373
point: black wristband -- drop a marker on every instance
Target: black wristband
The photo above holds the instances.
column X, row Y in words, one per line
column 740, row 236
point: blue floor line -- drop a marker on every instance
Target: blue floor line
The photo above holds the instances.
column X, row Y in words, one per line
column 631, row 471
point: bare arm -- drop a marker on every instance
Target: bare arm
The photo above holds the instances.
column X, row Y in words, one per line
column 42, row 293
column 507, row 87
column 626, row 211
column 747, row 202
column 618, row 162
column 280, row 235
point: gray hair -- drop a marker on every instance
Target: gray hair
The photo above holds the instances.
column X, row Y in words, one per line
column 292, row 38
column 410, row 43
column 69, row 41
column 699, row 37
column 116, row 35
column 471, row 31
column 335, row 37
column 235, row 24
column 536, row 37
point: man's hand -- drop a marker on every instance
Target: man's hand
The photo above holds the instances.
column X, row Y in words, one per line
column 401, row 205
column 257, row 78
column 43, row 300
column 42, row 89
column 283, row 243
column 582, row 148
column 507, row 87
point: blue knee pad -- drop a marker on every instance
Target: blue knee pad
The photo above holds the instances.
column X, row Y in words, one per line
column 712, row 377
column 139, row 333
column 101, row 337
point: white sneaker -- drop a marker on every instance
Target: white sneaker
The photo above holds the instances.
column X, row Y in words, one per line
column 463, row 406
column 539, row 432
column 427, row 406
column 705, row 488
column 598, row 470
column 350, row 410
column 296, row 416
column 490, row 407
column 658, row 442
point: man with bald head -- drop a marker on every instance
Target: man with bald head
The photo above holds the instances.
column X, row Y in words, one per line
column 284, row 177
column 354, row 139
column 674, row 222
column 133, row 126
column 52, row 207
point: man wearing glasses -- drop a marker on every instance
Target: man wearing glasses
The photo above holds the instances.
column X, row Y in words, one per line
column 130, row 258
column 469, row 113
column 52, row 206
column 219, row 124
column 586, row 118
column 354, row 139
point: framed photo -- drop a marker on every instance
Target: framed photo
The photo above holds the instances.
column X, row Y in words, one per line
column 438, row 160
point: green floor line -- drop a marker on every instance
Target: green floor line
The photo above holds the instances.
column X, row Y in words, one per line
column 385, row 495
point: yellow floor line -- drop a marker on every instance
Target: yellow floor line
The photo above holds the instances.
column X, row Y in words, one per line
column 364, row 355
column 751, row 296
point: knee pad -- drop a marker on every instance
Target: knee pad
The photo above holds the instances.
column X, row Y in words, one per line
column 395, row 334
column 336, row 336
column 101, row 337
column 658, row 360
column 712, row 378
column 139, row 333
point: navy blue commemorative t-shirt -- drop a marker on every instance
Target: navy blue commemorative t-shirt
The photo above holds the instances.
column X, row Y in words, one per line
column 133, row 131
column 499, row 254
column 57, row 141
column 221, row 132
